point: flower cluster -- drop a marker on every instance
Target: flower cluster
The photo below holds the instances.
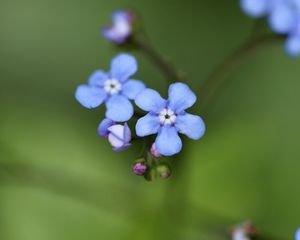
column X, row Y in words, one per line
column 283, row 17
column 166, row 118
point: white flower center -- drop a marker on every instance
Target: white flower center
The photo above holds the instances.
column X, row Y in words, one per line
column 112, row 86
column 167, row 117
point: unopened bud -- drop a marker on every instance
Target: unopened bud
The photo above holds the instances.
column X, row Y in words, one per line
column 119, row 136
column 139, row 169
column 164, row 171
column 154, row 152
column 244, row 231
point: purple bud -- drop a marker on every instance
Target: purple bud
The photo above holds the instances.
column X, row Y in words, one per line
column 121, row 28
column 139, row 169
column 154, row 151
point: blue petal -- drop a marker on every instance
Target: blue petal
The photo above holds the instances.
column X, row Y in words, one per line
column 297, row 237
column 180, row 97
column 127, row 133
column 90, row 97
column 103, row 127
column 190, row 125
column 292, row 46
column 97, row 78
column 122, row 67
column 168, row 142
column 121, row 15
column 147, row 125
column 255, row 8
column 119, row 108
column 132, row 88
column 282, row 19
column 150, row 100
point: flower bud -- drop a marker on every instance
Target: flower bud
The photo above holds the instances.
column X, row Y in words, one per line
column 164, row 171
column 154, row 151
column 244, row 231
column 122, row 27
column 139, row 169
column 118, row 135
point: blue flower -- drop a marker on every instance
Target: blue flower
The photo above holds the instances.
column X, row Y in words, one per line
column 119, row 136
column 256, row 8
column 121, row 28
column 114, row 88
column 297, row 236
column 167, row 118
column 283, row 17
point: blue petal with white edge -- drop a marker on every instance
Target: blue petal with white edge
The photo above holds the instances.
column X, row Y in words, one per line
column 147, row 125
column 255, row 8
column 90, row 97
column 190, row 125
column 168, row 142
column 132, row 88
column 97, row 78
column 122, row 67
column 180, row 97
column 103, row 127
column 149, row 100
column 292, row 46
column 119, row 108
column 282, row 19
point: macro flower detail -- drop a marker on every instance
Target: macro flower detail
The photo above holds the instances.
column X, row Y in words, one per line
column 121, row 28
column 167, row 118
column 283, row 17
column 119, row 136
column 114, row 88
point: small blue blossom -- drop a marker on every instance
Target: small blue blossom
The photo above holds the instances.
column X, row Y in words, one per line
column 167, row 118
column 114, row 88
column 119, row 136
column 121, row 28
column 297, row 236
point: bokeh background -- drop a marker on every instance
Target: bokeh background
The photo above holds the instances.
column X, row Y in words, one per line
column 59, row 180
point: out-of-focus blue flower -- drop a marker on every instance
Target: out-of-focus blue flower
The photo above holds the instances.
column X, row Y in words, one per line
column 256, row 8
column 114, row 88
column 119, row 136
column 283, row 17
column 167, row 118
column 292, row 44
column 121, row 28
column 297, row 236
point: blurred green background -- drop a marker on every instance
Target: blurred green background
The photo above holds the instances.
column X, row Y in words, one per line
column 60, row 181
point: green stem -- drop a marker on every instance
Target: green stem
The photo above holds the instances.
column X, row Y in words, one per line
column 217, row 78
column 158, row 60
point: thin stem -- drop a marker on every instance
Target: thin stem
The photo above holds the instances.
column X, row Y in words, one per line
column 217, row 78
column 165, row 66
